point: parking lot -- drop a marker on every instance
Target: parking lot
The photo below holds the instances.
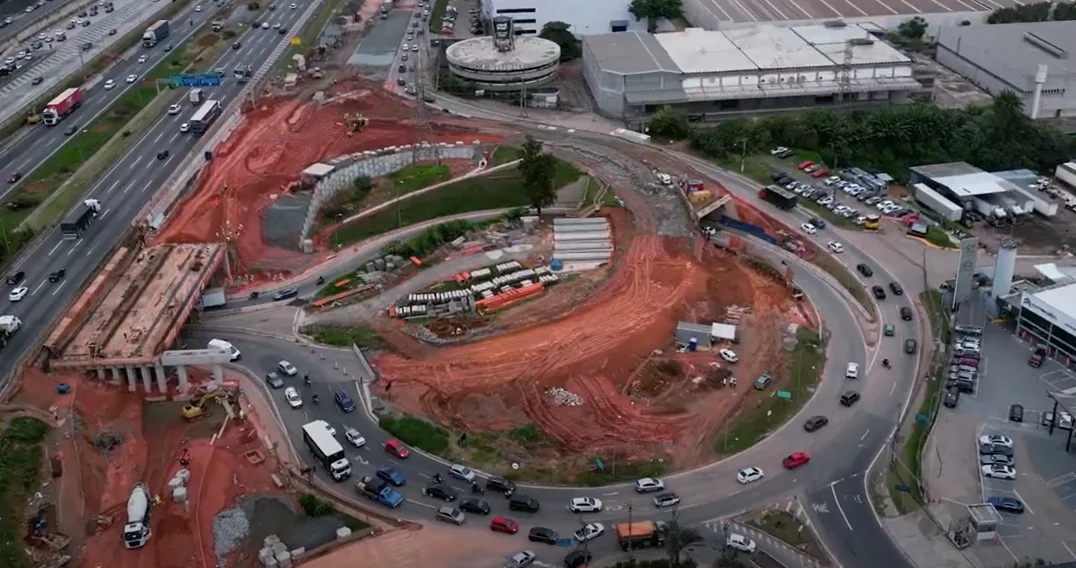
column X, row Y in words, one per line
column 1060, row 380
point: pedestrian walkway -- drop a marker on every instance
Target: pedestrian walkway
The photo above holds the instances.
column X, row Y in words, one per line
column 432, row 545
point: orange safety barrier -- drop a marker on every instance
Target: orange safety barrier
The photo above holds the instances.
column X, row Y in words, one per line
column 472, row 250
column 342, row 283
column 341, row 295
column 501, row 300
column 392, row 311
column 414, row 260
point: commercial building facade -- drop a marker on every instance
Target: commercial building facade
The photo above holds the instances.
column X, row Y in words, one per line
column 591, row 17
column 1048, row 318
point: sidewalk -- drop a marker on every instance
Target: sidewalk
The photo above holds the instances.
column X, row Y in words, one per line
column 434, row 545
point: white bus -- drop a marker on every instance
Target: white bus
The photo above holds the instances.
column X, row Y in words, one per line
column 204, row 117
column 326, row 449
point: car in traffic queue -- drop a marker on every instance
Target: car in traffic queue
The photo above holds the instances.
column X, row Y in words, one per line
column 354, row 437
column 795, row 459
column 585, row 505
column 649, row 485
column 392, row 476
column 750, row 475
column 666, row 500
column 293, row 398
column 396, row 449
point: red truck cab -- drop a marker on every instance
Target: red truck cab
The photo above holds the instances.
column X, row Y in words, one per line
column 1037, row 357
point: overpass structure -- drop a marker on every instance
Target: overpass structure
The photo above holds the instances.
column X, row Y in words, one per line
column 124, row 322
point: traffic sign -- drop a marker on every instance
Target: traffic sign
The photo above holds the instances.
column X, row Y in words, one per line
column 922, row 418
column 784, row 394
column 195, row 80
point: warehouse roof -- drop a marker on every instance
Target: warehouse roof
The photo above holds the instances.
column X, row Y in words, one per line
column 696, row 50
column 964, row 179
column 1013, row 52
column 776, row 48
column 832, row 42
column 629, row 52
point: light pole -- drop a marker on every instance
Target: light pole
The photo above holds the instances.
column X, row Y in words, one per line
column 631, row 544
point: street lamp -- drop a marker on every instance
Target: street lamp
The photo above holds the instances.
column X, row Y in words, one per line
column 631, row 544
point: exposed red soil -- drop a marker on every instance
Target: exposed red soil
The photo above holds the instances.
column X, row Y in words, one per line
column 98, row 482
column 269, row 150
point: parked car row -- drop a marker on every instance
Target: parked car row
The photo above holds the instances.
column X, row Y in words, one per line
column 996, row 461
column 967, row 351
column 821, row 196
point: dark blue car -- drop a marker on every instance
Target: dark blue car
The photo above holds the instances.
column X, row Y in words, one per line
column 1007, row 504
column 392, row 476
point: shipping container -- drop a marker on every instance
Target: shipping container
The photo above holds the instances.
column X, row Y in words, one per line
column 938, row 203
column 748, row 228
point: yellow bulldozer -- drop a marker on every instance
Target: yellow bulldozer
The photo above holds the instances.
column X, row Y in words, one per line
column 196, row 408
column 33, row 118
column 355, row 122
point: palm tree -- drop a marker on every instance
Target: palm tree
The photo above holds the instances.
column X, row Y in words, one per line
column 677, row 538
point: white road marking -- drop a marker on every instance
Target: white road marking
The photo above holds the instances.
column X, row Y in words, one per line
column 892, row 389
column 864, row 434
column 57, row 290
column 421, row 504
column 56, row 246
column 610, row 494
column 111, row 187
column 73, row 247
column 1024, row 501
column 1067, row 549
column 38, row 287
column 833, row 489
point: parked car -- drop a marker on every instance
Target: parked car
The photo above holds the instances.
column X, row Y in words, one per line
column 1016, row 413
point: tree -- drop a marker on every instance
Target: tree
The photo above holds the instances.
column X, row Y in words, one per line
column 561, row 34
column 654, row 10
column 538, row 170
column 677, row 538
column 728, row 559
column 669, row 122
column 913, row 29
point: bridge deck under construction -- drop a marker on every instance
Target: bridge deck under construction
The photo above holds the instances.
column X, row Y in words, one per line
column 135, row 307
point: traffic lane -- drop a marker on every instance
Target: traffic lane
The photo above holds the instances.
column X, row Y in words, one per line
column 853, row 532
column 20, row 20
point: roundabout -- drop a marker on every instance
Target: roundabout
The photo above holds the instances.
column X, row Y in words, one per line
column 830, row 490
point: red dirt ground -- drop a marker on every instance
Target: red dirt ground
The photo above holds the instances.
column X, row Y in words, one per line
column 592, row 350
column 270, row 149
column 98, row 483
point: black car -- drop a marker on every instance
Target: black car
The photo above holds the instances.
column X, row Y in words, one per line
column 961, row 385
column 991, row 449
column 237, row 45
column 16, row 278
column 905, row 313
column 849, row 398
column 37, row 80
column 500, row 484
column 577, row 558
column 440, row 491
column 71, row 129
column 818, row 223
column 402, row 69
column 865, row 270
column 401, row 81
column 815, row 422
column 1016, row 413
column 879, row 292
column 14, row 178
column 283, row 31
column 475, row 505
column 87, row 46
column 911, row 346
column 952, row 397
column 58, row 275
column 523, row 503
column 896, row 289
column 285, row 294
column 163, row 155
column 544, row 535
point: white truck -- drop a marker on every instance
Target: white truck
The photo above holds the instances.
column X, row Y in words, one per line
column 136, row 532
column 319, row 438
column 196, row 96
column 8, row 326
column 221, row 345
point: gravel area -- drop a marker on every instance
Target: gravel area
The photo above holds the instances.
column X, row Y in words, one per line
column 271, row 514
column 230, row 530
column 282, row 221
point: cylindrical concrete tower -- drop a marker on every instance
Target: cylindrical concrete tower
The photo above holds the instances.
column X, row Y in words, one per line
column 1036, row 100
column 1004, row 269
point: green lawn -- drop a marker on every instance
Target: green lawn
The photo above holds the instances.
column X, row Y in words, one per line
column 416, row 177
column 344, row 336
column 417, row 433
column 20, row 470
column 437, row 15
column 805, row 364
column 498, row 190
column 939, row 238
column 504, row 154
column 308, row 36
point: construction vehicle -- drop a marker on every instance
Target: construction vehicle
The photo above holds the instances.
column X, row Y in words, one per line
column 72, row 230
column 641, row 534
column 136, row 532
column 196, row 409
column 379, row 491
column 33, row 117
column 316, row 73
column 355, row 122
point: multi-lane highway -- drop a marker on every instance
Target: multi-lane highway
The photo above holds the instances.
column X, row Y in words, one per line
column 20, row 19
column 122, row 191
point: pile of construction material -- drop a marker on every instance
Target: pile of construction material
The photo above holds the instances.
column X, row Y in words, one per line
column 563, row 397
column 275, row 554
column 581, row 243
column 734, row 314
column 178, row 485
column 484, row 289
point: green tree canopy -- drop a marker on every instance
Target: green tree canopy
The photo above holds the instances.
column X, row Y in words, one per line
column 670, row 123
column 538, row 170
column 654, row 10
column 1033, row 13
column 560, row 33
column 913, row 29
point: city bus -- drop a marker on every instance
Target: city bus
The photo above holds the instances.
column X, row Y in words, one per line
column 204, row 117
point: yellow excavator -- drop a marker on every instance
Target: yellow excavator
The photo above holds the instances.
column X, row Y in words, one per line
column 196, row 408
column 355, row 121
column 33, row 117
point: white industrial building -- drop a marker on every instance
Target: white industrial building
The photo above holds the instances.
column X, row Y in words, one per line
column 590, row 17
column 949, row 189
column 712, row 73
column 1029, row 59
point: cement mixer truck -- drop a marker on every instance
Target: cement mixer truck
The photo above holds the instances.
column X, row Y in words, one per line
column 136, row 532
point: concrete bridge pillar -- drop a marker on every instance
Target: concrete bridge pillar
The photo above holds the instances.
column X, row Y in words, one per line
column 101, row 373
column 181, row 370
column 131, row 379
column 218, row 373
column 147, row 381
column 162, row 378
column 117, row 375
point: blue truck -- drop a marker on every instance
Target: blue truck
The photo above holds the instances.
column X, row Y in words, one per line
column 379, row 491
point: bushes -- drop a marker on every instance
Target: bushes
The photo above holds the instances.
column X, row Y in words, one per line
column 316, row 507
column 426, row 241
column 344, row 336
column 20, row 464
column 417, row 432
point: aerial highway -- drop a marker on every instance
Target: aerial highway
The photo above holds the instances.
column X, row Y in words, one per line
column 20, row 19
column 122, row 192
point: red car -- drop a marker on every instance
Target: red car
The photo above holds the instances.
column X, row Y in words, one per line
column 966, row 361
column 503, row 524
column 805, row 164
column 819, row 173
column 397, row 449
column 795, row 459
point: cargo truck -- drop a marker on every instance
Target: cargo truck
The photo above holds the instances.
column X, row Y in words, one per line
column 778, row 196
column 155, row 33
column 937, row 203
column 218, row 25
column 64, row 104
column 8, row 326
column 641, row 534
column 379, row 492
column 196, row 96
column 136, row 532
column 72, row 230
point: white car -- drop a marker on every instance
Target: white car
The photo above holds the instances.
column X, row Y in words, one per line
column 778, row 150
column 132, row 78
column 294, row 400
column 750, row 475
column 18, row 294
column 287, row 368
column 293, row 6
column 996, row 440
column 589, row 531
column 999, row 471
column 461, row 472
column 265, row 25
column 809, row 228
column 185, row 127
column 276, row 26
column 851, row 371
column 354, row 437
column 649, row 484
column 142, row 58
column 197, row 8
column 728, row 355
column 835, row 246
column 585, row 505
column 521, row 559
column 741, row 543
column 109, row 85
column 174, row 109
column 414, row 47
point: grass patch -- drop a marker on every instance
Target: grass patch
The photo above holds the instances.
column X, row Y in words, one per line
column 21, row 452
column 498, row 190
column 939, row 238
column 416, row 177
column 308, row 36
column 416, row 432
column 789, row 529
column 344, row 336
column 614, row 471
column 437, row 15
column 504, row 154
column 528, row 434
column 753, row 167
column 846, row 279
column 752, row 425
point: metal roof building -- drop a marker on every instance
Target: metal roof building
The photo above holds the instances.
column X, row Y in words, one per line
column 633, row 74
column 686, row 332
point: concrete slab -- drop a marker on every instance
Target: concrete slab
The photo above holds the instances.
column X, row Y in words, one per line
column 380, row 46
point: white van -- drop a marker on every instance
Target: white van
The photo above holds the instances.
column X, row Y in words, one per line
column 225, row 346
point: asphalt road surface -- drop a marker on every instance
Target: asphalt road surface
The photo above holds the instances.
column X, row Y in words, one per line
column 16, row 10
column 122, row 191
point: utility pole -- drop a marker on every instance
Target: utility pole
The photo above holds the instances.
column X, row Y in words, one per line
column 743, row 153
column 631, row 543
column 586, row 542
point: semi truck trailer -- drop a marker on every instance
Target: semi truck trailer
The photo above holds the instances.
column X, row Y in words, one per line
column 72, row 230
column 155, row 33
column 64, row 104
